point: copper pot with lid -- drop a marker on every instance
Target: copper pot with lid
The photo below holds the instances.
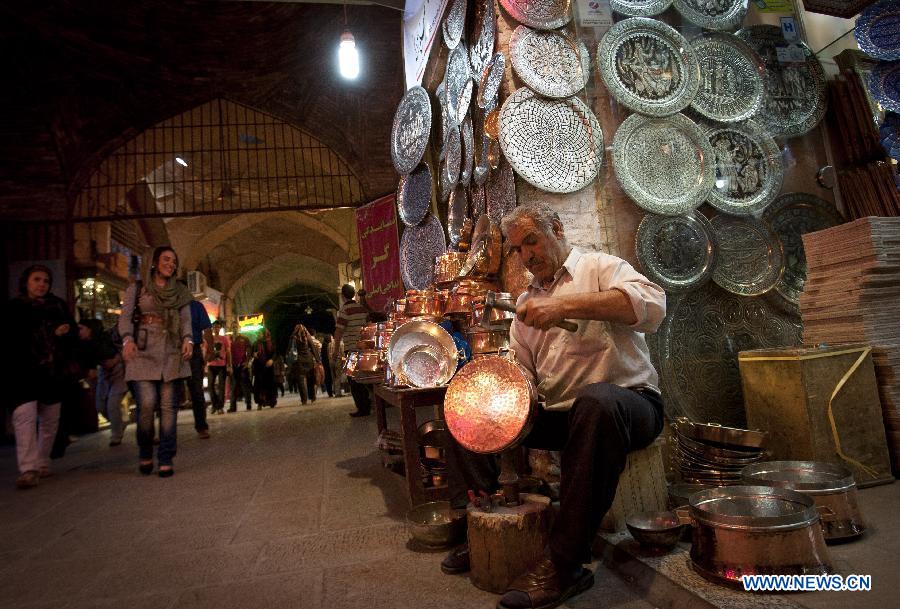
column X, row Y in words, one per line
column 498, row 318
column 483, row 341
column 447, row 267
column 463, row 294
column 424, row 302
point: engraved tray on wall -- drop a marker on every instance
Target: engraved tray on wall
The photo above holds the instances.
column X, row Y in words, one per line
column 664, row 164
column 639, row 8
column 795, row 92
column 419, row 246
column 750, row 260
column 483, row 38
column 648, row 66
column 554, row 144
column 414, row 195
column 696, row 348
column 732, row 78
column 713, row 14
column 884, row 83
column 410, row 131
column 550, row 63
column 454, row 23
column 676, row 252
column 790, row 216
column 458, row 83
column 749, row 169
column 539, row 14
column 877, row 30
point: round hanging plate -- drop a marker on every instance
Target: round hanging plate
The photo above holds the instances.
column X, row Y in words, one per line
column 732, row 82
column 478, row 200
column 664, row 164
column 716, row 15
column 539, row 14
column 468, row 151
column 554, row 144
column 453, row 153
column 491, row 78
column 456, row 79
column 639, row 8
column 790, row 216
column 749, row 170
column 877, row 30
column 884, row 84
column 414, row 195
column 455, row 23
column 457, row 210
column 795, row 92
column 551, row 63
column 410, row 131
column 501, row 192
column 419, row 246
column 648, row 66
column 483, row 36
column 676, row 252
column 750, row 260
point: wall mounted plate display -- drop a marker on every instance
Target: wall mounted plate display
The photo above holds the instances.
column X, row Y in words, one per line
column 484, row 35
column 457, row 211
column 491, row 78
column 676, row 252
column 468, row 151
column 750, row 260
column 419, row 247
column 454, row 23
column 549, row 62
column 410, row 131
column 500, row 191
column 414, row 195
column 458, row 83
column 884, row 83
column 877, row 30
column 539, row 14
column 715, row 15
column 732, row 78
column 640, row 8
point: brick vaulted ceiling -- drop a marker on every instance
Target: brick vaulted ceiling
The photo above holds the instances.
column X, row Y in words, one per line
column 81, row 78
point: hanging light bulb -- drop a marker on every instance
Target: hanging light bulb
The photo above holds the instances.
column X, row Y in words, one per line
column 348, row 56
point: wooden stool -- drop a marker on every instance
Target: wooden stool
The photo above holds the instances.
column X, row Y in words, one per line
column 642, row 487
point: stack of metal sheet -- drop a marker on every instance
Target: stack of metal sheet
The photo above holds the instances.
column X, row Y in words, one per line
column 710, row 454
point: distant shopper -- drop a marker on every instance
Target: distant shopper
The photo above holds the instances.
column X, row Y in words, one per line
column 350, row 320
column 327, row 356
column 306, row 354
column 111, row 386
column 219, row 367
column 264, row 371
column 241, row 352
column 201, row 334
column 279, row 373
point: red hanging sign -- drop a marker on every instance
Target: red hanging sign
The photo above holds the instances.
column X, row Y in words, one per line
column 379, row 251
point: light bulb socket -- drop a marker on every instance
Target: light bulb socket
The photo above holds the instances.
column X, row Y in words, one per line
column 347, row 36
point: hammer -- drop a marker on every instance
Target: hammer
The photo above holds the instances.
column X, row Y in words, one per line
column 492, row 302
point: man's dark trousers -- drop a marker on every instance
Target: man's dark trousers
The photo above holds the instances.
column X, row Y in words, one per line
column 195, row 386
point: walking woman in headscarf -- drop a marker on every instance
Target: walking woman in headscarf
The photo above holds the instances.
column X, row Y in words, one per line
column 264, row 371
column 156, row 347
column 37, row 364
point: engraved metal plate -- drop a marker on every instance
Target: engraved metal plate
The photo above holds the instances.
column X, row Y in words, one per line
column 539, row 14
column 447, row 121
column 456, row 79
column 648, row 66
column 491, row 78
column 640, row 8
column 795, row 92
column 884, row 84
column 664, row 164
column 732, row 78
column 713, row 14
column 453, row 162
column 750, row 260
column 454, row 23
column 483, row 37
column 791, row 216
column 457, row 210
column 696, row 348
column 551, row 63
column 556, row 145
column 749, row 169
column 676, row 252
column 419, row 246
column 877, row 30
column 414, row 195
column 410, row 131
column 478, row 201
column 500, row 191
column 468, row 151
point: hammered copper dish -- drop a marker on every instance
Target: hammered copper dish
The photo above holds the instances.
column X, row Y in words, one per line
column 434, row 525
column 655, row 530
column 427, row 366
column 414, row 334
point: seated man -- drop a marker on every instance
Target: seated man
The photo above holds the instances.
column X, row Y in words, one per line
column 602, row 399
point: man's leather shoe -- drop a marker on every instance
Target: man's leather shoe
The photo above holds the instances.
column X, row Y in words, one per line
column 359, row 414
column 457, row 561
column 545, row 586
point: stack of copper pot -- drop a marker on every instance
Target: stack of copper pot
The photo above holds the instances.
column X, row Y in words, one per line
column 367, row 362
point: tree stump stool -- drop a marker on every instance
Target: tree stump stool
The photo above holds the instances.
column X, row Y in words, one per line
column 504, row 542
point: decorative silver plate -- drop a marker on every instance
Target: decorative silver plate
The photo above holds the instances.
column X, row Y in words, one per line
column 664, row 164
column 554, row 144
column 500, row 191
column 455, row 80
column 551, row 63
column 884, row 83
column 640, row 8
column 447, row 121
column 732, row 78
column 419, row 246
column 414, row 195
column 457, row 211
column 453, row 153
column 713, row 14
column 749, row 170
column 750, row 260
column 791, row 216
column 696, row 350
column 877, row 30
column 483, row 37
column 539, row 14
column 468, row 151
column 478, row 201
column 795, row 92
column 491, row 78
column 412, row 126
column 676, row 252
column 648, row 66
column 454, row 23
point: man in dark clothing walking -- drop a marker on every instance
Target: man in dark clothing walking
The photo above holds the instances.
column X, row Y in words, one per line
column 200, row 326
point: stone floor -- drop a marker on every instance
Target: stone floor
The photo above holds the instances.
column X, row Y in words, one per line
column 284, row 508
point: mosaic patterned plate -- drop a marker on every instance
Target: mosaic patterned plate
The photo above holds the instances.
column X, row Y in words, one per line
column 676, row 252
column 750, row 260
column 551, row 63
column 713, row 14
column 696, row 348
column 877, row 30
column 419, row 246
column 539, row 14
column 414, row 195
column 491, row 78
column 664, row 164
column 483, row 37
column 554, row 144
column 795, row 92
column 500, row 191
column 648, row 66
column 884, row 83
column 468, row 151
column 749, row 170
column 791, row 216
column 410, row 131
column 458, row 83
column 454, row 23
column 640, row 8
column 732, row 78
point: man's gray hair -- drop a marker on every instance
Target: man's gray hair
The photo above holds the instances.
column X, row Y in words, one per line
column 542, row 215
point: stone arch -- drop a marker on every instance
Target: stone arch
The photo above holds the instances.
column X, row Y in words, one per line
column 293, row 268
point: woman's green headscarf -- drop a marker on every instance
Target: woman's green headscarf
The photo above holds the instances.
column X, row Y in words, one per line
column 170, row 297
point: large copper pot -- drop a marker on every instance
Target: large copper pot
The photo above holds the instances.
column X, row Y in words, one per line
column 367, row 332
column 463, row 295
column 447, row 267
column 368, row 362
column 498, row 318
column 423, row 302
column 483, row 341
